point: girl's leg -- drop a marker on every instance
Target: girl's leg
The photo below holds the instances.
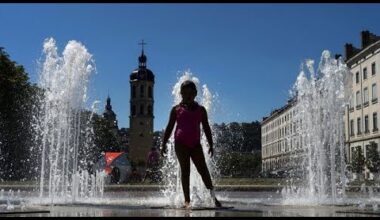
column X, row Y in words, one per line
column 183, row 156
column 199, row 161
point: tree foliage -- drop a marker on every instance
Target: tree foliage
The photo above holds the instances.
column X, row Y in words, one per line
column 358, row 160
column 239, row 145
column 240, row 137
column 373, row 159
column 240, row 164
column 106, row 138
column 17, row 98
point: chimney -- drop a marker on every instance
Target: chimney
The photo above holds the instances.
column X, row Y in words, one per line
column 365, row 39
column 349, row 51
column 373, row 38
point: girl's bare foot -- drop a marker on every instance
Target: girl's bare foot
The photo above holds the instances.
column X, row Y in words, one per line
column 217, row 203
column 187, row 205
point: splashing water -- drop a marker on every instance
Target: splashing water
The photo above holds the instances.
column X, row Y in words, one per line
column 64, row 127
column 199, row 195
column 321, row 101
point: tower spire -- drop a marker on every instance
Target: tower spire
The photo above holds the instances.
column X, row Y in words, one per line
column 142, row 58
column 108, row 105
column 142, row 46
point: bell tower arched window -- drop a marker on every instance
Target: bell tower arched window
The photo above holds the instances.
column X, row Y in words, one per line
column 141, row 109
column 150, row 95
column 142, row 91
column 133, row 91
column 133, row 110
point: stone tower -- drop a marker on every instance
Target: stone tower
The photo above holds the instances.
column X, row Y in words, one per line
column 141, row 112
column 110, row 115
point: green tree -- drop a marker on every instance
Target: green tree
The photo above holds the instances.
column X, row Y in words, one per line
column 373, row 159
column 251, row 136
column 239, row 137
column 17, row 99
column 106, row 139
column 358, row 160
column 242, row 141
column 240, row 164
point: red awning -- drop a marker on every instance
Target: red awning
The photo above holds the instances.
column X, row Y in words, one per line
column 110, row 157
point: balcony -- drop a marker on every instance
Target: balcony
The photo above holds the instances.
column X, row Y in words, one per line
column 365, row 104
column 375, row 130
column 358, row 107
column 352, row 109
column 374, row 101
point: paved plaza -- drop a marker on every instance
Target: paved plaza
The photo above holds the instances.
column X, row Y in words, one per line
column 151, row 203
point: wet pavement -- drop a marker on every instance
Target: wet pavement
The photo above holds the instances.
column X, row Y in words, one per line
column 152, row 204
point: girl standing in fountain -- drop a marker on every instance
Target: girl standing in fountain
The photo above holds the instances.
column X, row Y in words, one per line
column 189, row 115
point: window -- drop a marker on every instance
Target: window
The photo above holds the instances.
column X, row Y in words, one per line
column 366, row 150
column 149, row 110
column 141, row 109
column 134, row 91
column 365, row 93
column 357, row 77
column 374, row 92
column 366, row 129
column 373, row 68
column 359, row 126
column 365, row 73
column 133, row 110
column 352, row 127
column 358, row 99
column 142, row 91
column 374, row 121
column 150, row 92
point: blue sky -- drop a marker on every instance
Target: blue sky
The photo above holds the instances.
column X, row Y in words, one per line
column 249, row 54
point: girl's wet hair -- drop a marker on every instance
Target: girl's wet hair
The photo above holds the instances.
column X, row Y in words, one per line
column 189, row 84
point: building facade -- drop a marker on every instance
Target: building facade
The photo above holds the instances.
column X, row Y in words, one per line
column 361, row 115
column 280, row 142
column 281, row 148
column 141, row 112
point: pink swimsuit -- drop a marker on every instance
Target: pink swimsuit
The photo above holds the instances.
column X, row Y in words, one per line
column 188, row 126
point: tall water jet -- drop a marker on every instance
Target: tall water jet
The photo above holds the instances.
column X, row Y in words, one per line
column 321, row 101
column 199, row 195
column 64, row 127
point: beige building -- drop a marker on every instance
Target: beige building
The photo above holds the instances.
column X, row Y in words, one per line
column 281, row 149
column 361, row 116
column 280, row 143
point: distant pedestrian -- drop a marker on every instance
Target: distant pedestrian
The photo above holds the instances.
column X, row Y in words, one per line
column 152, row 162
column 134, row 176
